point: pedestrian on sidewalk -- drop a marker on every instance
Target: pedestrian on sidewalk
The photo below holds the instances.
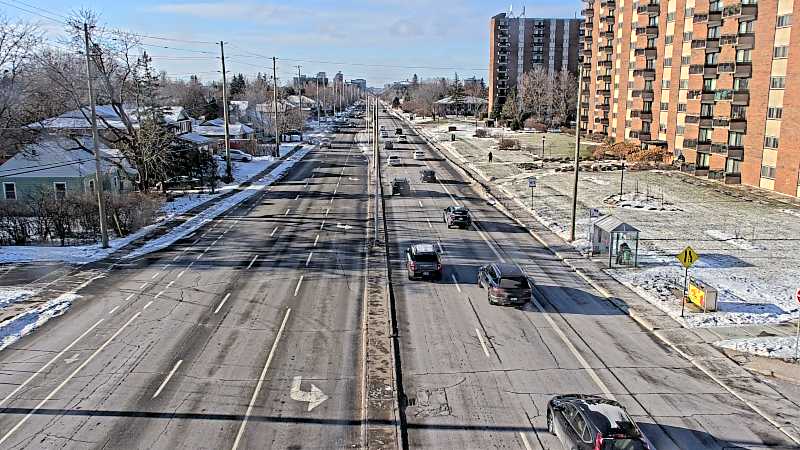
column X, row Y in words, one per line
column 490, row 157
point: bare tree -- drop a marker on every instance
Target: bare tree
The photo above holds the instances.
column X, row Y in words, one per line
column 535, row 94
column 563, row 99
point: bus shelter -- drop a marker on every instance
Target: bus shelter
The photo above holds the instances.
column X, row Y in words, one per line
column 617, row 240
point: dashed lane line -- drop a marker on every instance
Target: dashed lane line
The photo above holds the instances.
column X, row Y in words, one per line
column 222, row 302
column 456, row 282
column 252, row 262
column 273, row 231
column 308, row 260
column 483, row 344
column 299, row 282
column 166, row 380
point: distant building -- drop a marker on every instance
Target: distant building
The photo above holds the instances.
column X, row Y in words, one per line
column 517, row 45
column 338, row 79
column 322, row 78
column 473, row 82
column 359, row 83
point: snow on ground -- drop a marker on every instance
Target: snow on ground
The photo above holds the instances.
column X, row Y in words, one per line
column 772, row 347
column 15, row 328
column 87, row 253
column 10, row 296
column 749, row 244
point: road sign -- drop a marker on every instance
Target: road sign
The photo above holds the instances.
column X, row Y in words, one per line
column 688, row 257
column 531, row 182
column 797, row 295
column 594, row 213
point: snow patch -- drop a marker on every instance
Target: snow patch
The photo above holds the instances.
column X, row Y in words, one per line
column 9, row 296
column 771, row 347
column 15, row 328
column 732, row 239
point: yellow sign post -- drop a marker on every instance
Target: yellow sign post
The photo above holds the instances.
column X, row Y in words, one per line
column 687, row 258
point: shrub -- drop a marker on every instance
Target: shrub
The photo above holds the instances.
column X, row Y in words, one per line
column 15, row 223
column 481, row 133
column 508, row 144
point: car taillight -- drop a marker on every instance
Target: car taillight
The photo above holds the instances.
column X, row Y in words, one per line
column 598, row 442
column 498, row 290
column 438, row 267
column 412, row 265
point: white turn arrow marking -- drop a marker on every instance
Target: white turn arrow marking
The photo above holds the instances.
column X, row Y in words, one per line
column 73, row 359
column 314, row 397
column 346, row 227
column 352, row 179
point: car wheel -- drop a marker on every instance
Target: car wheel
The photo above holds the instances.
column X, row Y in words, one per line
column 550, row 427
column 489, row 297
column 410, row 277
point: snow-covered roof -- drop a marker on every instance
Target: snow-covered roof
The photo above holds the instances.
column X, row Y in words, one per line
column 216, row 128
column 173, row 114
column 194, row 138
column 468, row 100
column 107, row 117
column 612, row 224
column 60, row 157
column 295, row 100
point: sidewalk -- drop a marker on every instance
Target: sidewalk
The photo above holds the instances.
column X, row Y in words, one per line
column 53, row 298
column 694, row 344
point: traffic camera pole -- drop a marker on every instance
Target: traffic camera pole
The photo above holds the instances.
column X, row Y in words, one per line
column 577, row 154
column 228, row 168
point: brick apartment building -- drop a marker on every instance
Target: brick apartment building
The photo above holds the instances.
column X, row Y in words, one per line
column 519, row 44
column 711, row 80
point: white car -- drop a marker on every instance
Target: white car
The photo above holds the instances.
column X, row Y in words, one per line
column 393, row 160
column 238, row 155
column 419, row 154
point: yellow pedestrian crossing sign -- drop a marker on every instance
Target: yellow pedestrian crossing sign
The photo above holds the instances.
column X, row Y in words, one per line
column 688, row 257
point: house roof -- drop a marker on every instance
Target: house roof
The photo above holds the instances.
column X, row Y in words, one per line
column 194, row 138
column 216, row 128
column 107, row 118
column 468, row 100
column 60, row 157
column 612, row 224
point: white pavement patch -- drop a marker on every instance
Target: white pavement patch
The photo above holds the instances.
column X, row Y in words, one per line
column 15, row 328
column 771, row 347
column 314, row 397
column 210, row 214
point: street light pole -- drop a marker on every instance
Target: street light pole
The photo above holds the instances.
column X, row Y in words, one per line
column 228, row 168
column 577, row 153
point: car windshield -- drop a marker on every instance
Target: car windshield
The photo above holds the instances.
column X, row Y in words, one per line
column 425, row 257
column 514, row 282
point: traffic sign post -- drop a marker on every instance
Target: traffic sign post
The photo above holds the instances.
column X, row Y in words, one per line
column 687, row 258
column 531, row 184
column 797, row 338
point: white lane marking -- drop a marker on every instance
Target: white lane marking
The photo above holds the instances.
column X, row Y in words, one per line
column 169, row 284
column 429, row 223
column 66, row 380
column 456, row 282
column 297, row 197
column 113, row 309
column 155, row 275
column 327, row 211
column 308, row 260
column 165, row 266
column 299, row 282
column 420, row 203
column 287, row 211
column 176, row 257
column 260, row 382
column 252, row 262
column 441, row 250
column 159, row 294
column 166, row 380
column 148, row 304
column 196, row 240
column 525, row 441
column 181, row 274
column 273, row 231
column 144, row 285
column 323, row 224
column 129, row 297
column 222, row 302
column 483, row 344
column 49, row 363
column 331, row 199
column 315, row 240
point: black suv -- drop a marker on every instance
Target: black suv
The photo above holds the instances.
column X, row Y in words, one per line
column 589, row 422
column 505, row 284
column 457, row 216
column 427, row 176
column 422, row 261
column 400, row 186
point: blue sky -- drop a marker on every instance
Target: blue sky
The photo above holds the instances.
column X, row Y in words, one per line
column 445, row 36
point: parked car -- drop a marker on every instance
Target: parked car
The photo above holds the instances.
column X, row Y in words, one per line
column 383, row 128
column 326, row 143
column 589, row 422
column 238, row 155
column 457, row 216
column 554, row 130
column 505, row 284
column 398, row 131
column 402, row 139
column 180, row 182
column 419, row 154
column 393, row 160
column 427, row 176
column 388, row 145
column 422, row 261
column 400, row 186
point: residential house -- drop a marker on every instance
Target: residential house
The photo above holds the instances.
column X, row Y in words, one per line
column 468, row 105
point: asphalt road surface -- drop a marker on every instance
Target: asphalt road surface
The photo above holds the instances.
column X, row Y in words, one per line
column 246, row 334
column 478, row 376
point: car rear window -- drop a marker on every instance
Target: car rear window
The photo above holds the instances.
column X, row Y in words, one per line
column 514, row 283
column 623, row 444
column 425, row 257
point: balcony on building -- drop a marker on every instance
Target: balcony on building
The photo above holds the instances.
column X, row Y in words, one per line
column 648, row 95
column 743, row 69
column 720, row 122
column 736, row 152
column 706, row 122
column 584, row 105
column 605, row 63
column 714, row 18
column 746, row 41
column 749, row 11
column 606, row 48
column 603, row 106
column 696, row 69
column 604, row 92
column 604, row 78
column 712, row 44
column 698, row 43
column 738, row 124
column 502, row 69
column 729, row 39
column 652, row 9
column 503, row 44
column 647, row 74
column 741, row 98
column 703, row 146
column 587, row 12
column 723, row 95
column 610, row 3
column 719, row 148
column 691, row 119
column 644, row 135
column 707, row 96
column 690, row 143
column 607, row 18
column 698, row 18
column 650, row 30
column 726, row 67
column 733, row 178
column 710, row 71
column 589, row 25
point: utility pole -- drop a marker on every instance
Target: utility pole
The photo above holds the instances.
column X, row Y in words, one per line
column 577, row 153
column 300, row 96
column 275, row 104
column 318, row 102
column 98, row 178
column 228, row 168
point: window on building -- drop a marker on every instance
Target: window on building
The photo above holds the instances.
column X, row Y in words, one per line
column 681, row 107
column 648, row 85
column 713, row 32
column 712, row 58
column 688, row 13
column 784, row 21
column 741, row 84
column 768, row 172
column 662, row 128
column 651, row 42
column 629, row 104
column 715, row 5
column 733, row 166
column 680, row 129
column 668, row 39
column 91, row 186
column 687, row 36
column 709, row 84
column 9, row 191
column 60, row 189
column 665, row 83
column 777, row 82
column 705, row 134
column 702, row 160
column 735, row 138
column 630, row 84
column 664, row 106
column 743, row 56
column 738, row 112
column 774, row 112
column 652, row 21
column 683, row 84
column 707, row 110
column 667, row 62
column 746, row 27
column 671, row 16
column 781, row 52
column 770, row 142
column 686, row 60
column 647, row 107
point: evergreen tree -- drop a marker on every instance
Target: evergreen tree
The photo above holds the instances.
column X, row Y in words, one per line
column 238, row 85
column 457, row 94
column 414, row 81
column 212, row 109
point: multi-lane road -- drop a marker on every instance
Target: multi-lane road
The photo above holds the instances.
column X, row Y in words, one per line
column 249, row 334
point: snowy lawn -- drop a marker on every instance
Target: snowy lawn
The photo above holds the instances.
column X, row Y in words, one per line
column 771, row 347
column 9, row 296
column 15, row 328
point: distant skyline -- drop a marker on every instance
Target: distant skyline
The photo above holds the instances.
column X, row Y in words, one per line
column 380, row 40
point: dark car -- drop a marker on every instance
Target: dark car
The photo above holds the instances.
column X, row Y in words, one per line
column 505, row 284
column 591, row 422
column 400, row 186
column 427, row 176
column 422, row 261
column 398, row 131
column 457, row 216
